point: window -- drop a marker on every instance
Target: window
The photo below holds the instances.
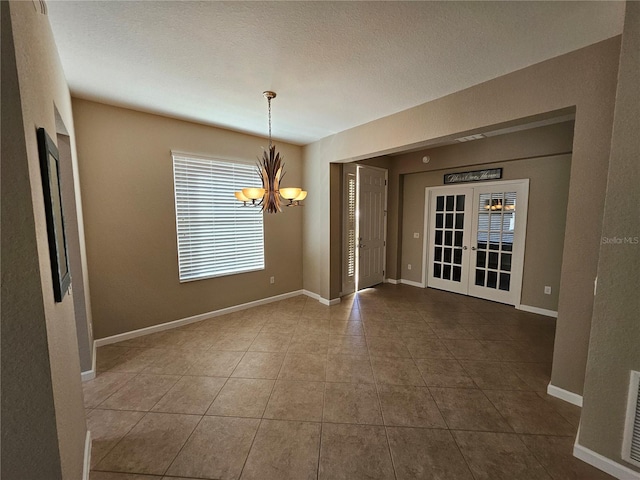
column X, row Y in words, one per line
column 217, row 235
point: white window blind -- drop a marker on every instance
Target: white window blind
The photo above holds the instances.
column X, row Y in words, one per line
column 217, row 235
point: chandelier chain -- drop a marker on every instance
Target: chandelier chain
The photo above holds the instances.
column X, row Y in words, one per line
column 269, row 102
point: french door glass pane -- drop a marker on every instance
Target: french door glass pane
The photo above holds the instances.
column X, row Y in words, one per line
column 449, row 220
column 448, row 238
column 492, row 279
column 505, row 280
column 493, row 260
column 446, row 272
column 505, row 262
column 458, row 238
column 450, row 200
column 457, row 274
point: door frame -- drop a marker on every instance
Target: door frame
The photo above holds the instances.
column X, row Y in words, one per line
column 427, row 218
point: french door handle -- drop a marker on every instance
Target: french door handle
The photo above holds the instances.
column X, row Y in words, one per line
column 473, row 248
column 464, row 248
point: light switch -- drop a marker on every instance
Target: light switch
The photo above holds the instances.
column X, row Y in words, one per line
column 416, row 235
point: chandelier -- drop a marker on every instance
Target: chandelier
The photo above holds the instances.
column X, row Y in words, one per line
column 271, row 171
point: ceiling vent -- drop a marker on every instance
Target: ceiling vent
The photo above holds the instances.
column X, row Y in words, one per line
column 469, row 138
column 631, row 443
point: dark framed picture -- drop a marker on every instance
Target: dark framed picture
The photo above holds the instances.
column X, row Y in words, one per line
column 49, row 168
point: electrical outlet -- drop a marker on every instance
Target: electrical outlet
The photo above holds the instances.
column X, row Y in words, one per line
column 272, row 280
column 416, row 235
column 409, row 267
column 547, row 290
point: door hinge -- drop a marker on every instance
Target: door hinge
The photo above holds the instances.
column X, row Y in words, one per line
column 384, row 244
column 385, row 182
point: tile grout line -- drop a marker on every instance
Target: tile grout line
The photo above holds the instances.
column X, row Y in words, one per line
column 324, row 393
column 183, row 445
column 324, row 403
column 448, row 429
column 135, row 374
column 199, row 421
column 384, row 425
column 273, row 387
column 144, row 414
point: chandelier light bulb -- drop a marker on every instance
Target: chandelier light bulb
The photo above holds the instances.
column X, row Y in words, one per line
column 290, row 193
column 253, row 193
column 241, row 196
column 302, row 196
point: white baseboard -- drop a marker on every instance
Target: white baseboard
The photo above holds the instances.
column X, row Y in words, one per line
column 91, row 374
column 196, row 318
column 86, row 466
column 309, row 294
column 392, row 281
column 565, row 395
column 412, row 283
column 603, row 463
column 322, row 300
column 333, row 301
column 539, row 311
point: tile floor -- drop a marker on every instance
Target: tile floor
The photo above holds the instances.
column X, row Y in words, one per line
column 394, row 383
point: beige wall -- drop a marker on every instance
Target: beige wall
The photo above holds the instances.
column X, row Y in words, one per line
column 615, row 330
column 43, row 423
column 533, row 154
column 126, row 174
column 584, row 79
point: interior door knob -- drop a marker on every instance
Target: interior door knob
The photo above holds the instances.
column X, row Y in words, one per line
column 473, row 248
column 464, row 248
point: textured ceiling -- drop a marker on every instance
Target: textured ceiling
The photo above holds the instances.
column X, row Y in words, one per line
column 334, row 65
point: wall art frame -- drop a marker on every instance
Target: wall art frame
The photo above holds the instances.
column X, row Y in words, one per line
column 58, row 254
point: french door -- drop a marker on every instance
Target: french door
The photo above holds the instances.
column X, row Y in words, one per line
column 449, row 238
column 475, row 239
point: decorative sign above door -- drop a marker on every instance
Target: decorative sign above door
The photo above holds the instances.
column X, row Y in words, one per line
column 475, row 176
